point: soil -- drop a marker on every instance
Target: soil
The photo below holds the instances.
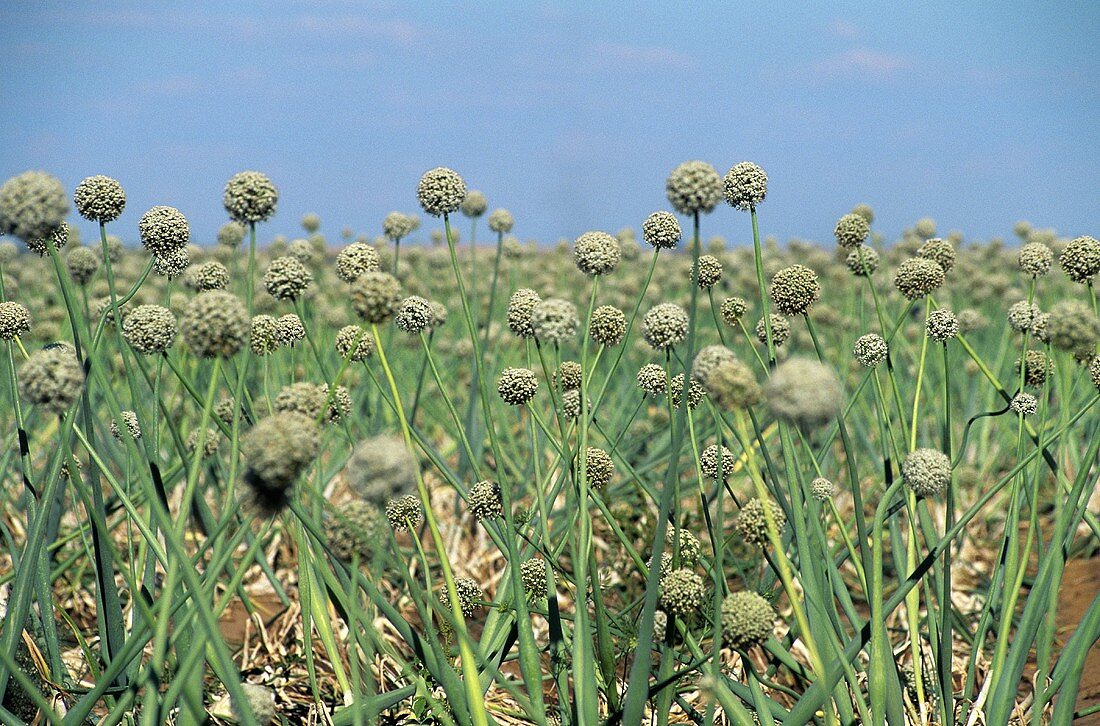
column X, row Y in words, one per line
column 1080, row 584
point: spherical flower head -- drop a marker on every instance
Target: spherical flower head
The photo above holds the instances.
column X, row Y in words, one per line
column 688, row 544
column 925, row 228
column 794, row 289
column 533, row 575
column 695, row 395
column 210, row 275
column 250, row 197
column 571, row 403
column 665, row 325
column 1035, row 259
column 852, row 230
column 517, row 386
column 339, row 402
column 746, row 185
column 708, row 358
column 804, row 392
column 864, row 210
column 347, row 347
column 941, row 325
column 396, row 226
column 926, row 471
column 311, row 222
column 354, row 529
column 375, row 296
column 150, row 329
column 215, row 324
column 231, row 234
column 381, row 467
column 599, row 467
column 287, row 278
column 439, row 313
column 651, row 379
column 302, row 397
column 511, row 248
column 781, row 330
column 264, row 338
column 278, row 449
column 469, row 596
column 822, row 489
column 302, row 249
column 747, row 620
column 99, row 198
column 709, row 462
column 752, row 520
column 164, row 230
column 52, row 378
column 1039, row 327
column 32, row 205
column 441, row 191
column 82, row 264
column 694, row 187
column 485, row 500
column 732, row 385
column 660, row 626
column 173, row 264
column 567, row 376
column 661, row 230
column 226, row 411
column 211, row 441
column 1024, row 404
column 917, row 277
column 1022, row 315
column 940, row 250
column 708, row 272
column 870, row 350
column 971, row 320
column 552, row 320
column 520, row 307
column 130, row 423
column 862, row 261
column 501, row 221
column 1072, row 326
column 414, row 315
column 114, row 249
column 681, row 592
column 289, row 329
column 733, row 309
column 56, row 239
column 355, row 260
column 8, row 252
column 1035, row 366
column 596, row 253
column 1080, row 259
column 15, row 320
column 608, row 325
column 104, row 308
column 474, row 205
column 404, row 512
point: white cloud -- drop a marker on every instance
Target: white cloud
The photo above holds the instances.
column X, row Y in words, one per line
column 397, row 31
column 645, row 56
column 864, row 63
column 845, row 29
column 172, row 85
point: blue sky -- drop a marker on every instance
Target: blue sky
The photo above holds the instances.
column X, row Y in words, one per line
column 568, row 114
